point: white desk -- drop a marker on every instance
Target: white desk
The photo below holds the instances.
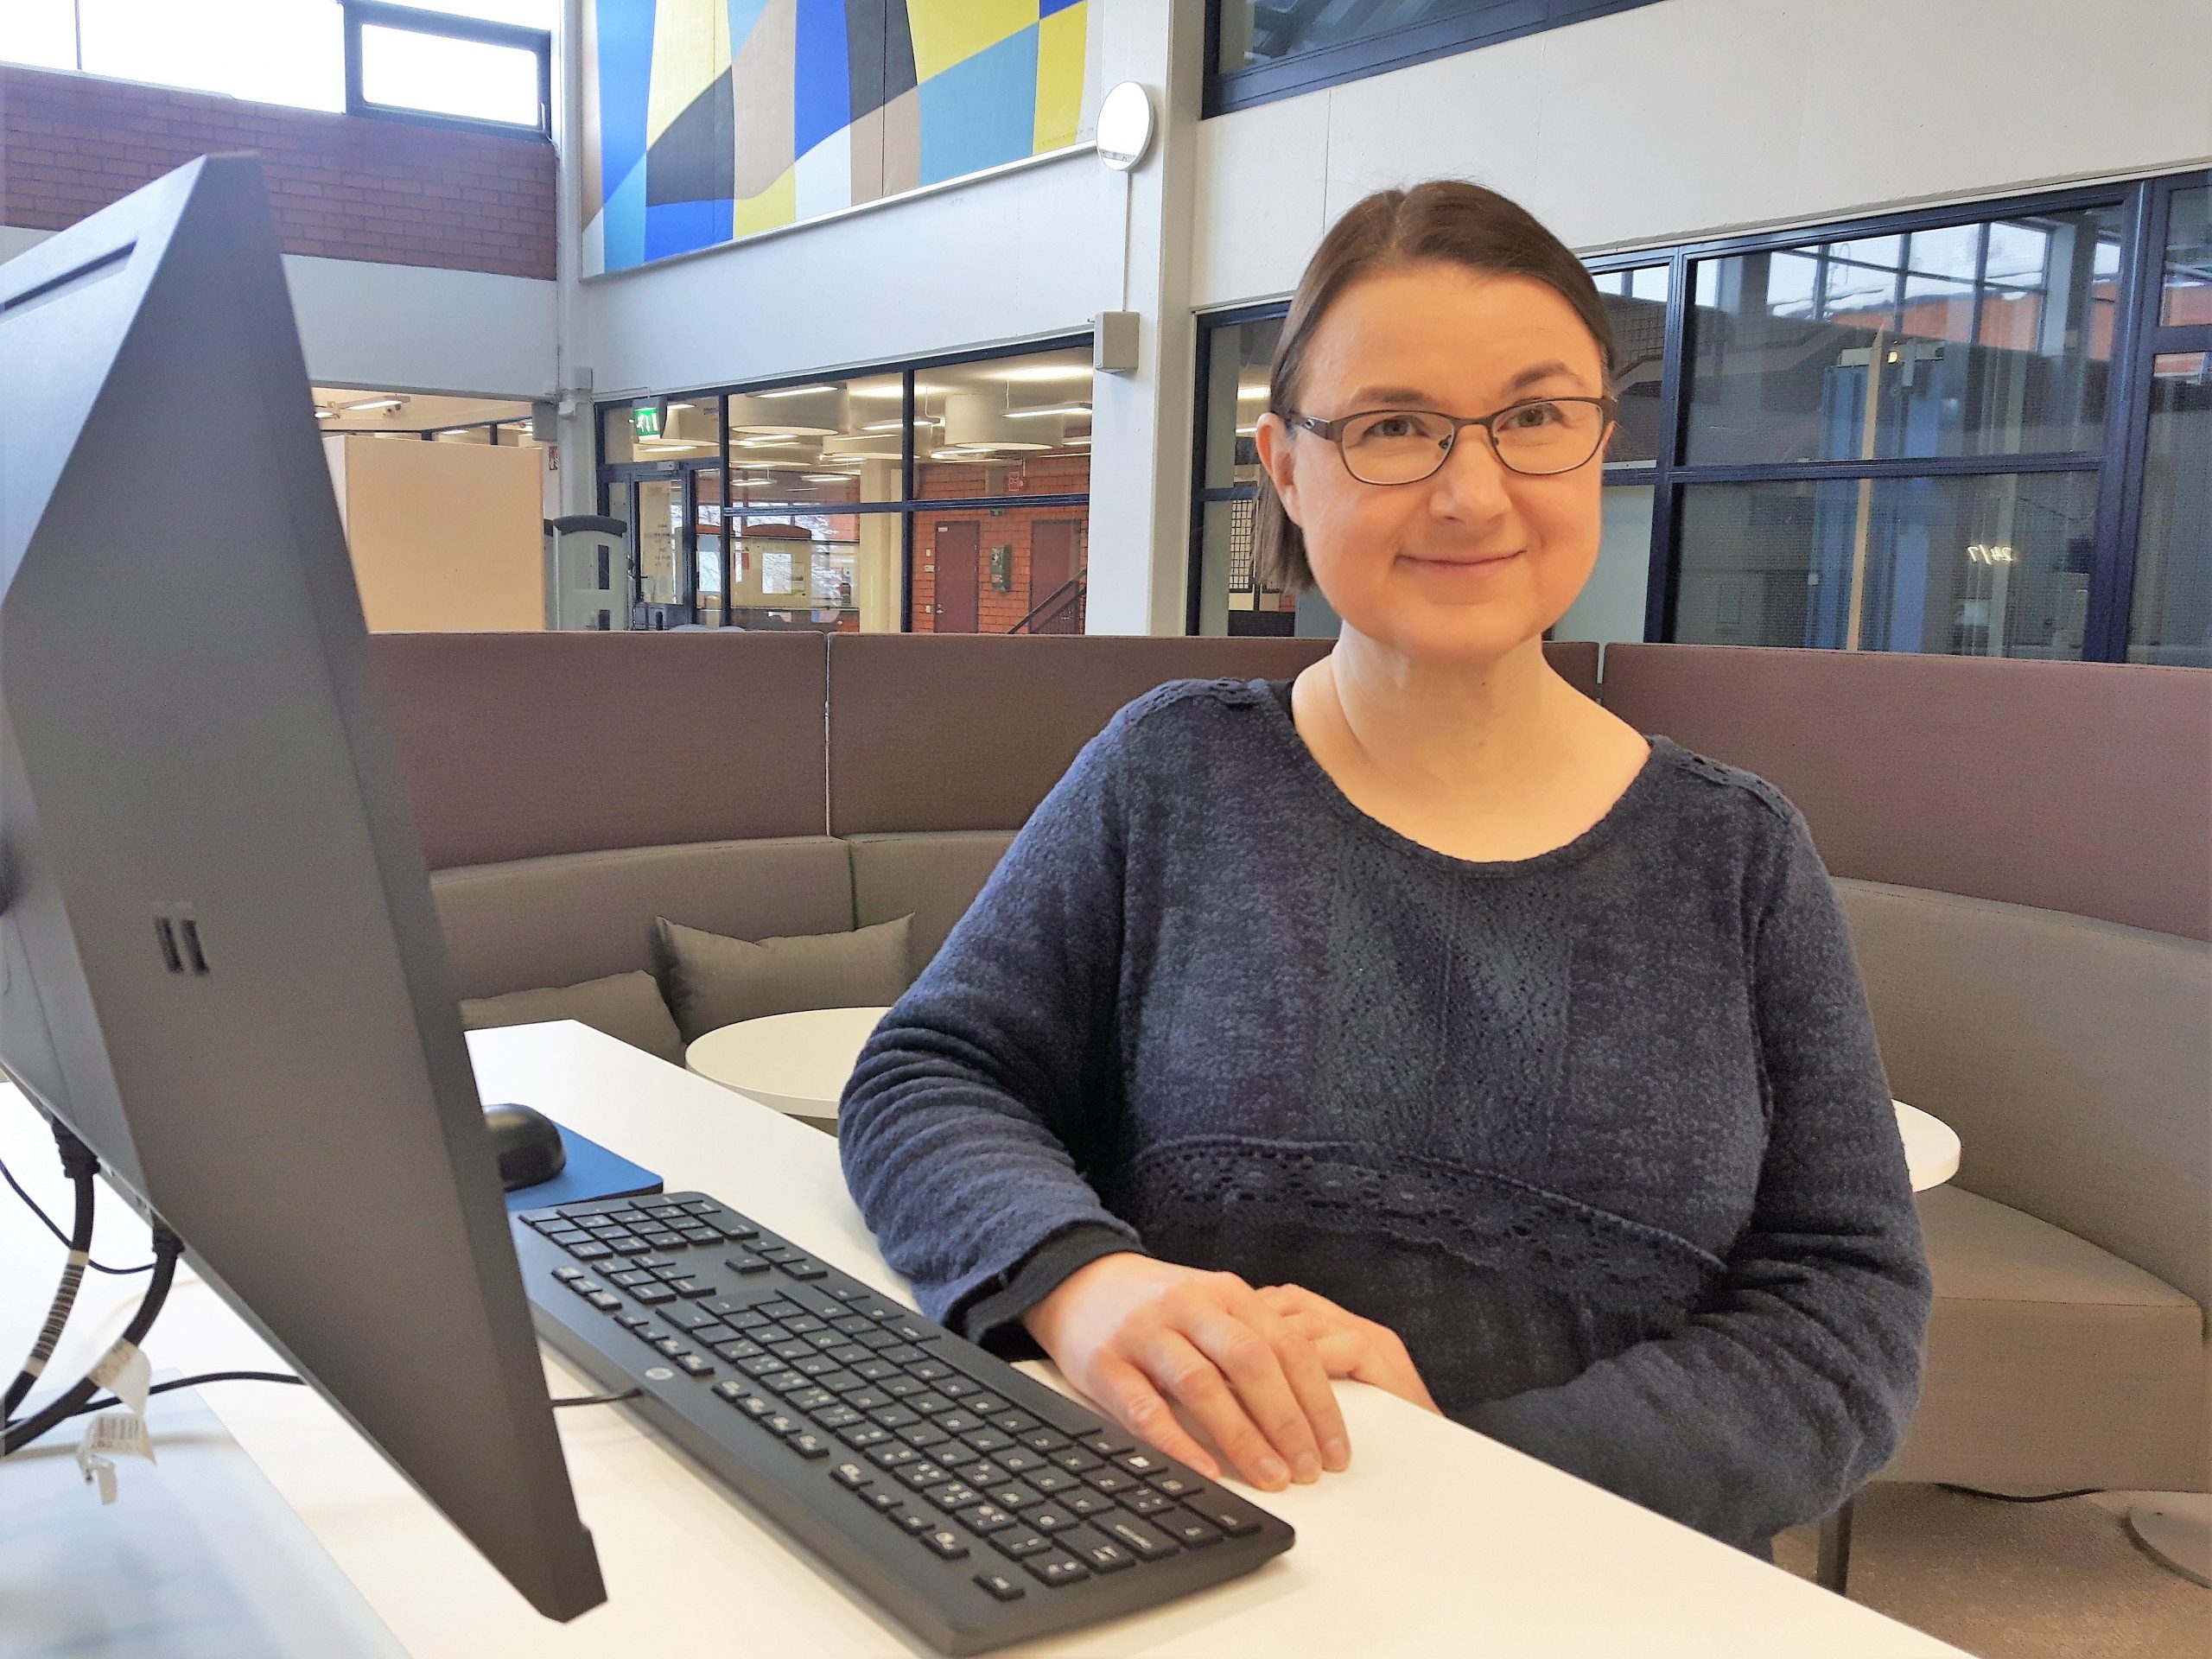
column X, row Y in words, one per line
column 1437, row 1540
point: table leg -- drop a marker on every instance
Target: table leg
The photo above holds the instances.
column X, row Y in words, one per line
column 1834, row 1570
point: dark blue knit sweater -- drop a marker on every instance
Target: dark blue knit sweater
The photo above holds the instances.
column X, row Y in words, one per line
column 1604, row 1134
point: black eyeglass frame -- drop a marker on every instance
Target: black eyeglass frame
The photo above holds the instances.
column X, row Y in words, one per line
column 1608, row 406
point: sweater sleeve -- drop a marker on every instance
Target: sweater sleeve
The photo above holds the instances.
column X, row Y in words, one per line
column 1792, row 1385
column 966, row 1129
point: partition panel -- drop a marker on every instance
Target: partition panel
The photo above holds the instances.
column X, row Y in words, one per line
column 518, row 746
column 2084, row 787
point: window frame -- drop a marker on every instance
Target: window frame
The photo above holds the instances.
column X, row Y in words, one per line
column 612, row 475
column 2117, row 460
column 408, row 19
column 1397, row 49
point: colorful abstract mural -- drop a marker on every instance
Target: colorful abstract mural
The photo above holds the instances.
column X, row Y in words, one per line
column 707, row 120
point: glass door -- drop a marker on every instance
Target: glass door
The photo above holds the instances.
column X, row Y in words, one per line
column 657, row 554
column 709, row 581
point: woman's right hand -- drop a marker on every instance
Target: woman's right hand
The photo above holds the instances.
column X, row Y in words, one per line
column 1135, row 1334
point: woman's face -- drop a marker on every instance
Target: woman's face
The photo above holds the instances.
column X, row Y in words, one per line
column 1476, row 559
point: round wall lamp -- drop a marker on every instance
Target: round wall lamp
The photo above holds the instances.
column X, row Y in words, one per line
column 1125, row 125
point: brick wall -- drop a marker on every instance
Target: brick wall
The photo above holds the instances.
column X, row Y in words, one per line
column 997, row 611
column 341, row 187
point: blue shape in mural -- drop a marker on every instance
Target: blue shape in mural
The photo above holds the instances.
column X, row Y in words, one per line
column 822, row 77
column 625, row 68
column 680, row 227
column 982, row 112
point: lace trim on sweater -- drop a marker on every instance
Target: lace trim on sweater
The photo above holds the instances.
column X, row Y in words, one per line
column 1483, row 1218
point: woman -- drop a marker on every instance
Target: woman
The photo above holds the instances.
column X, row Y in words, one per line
column 1521, row 1060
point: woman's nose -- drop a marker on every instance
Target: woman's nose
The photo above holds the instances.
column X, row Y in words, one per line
column 1473, row 484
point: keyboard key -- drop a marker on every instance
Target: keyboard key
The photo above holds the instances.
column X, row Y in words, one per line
column 688, row 1318
column 1084, row 1500
column 692, row 1365
column 811, row 1401
column 633, row 1322
column 987, row 1518
column 1051, row 1517
column 952, row 1422
column 1176, row 1483
column 1148, row 1544
column 914, row 1518
column 929, row 1404
column 1191, row 1531
column 1106, row 1442
column 1145, row 1501
column 808, row 1443
column 999, row 1587
column 669, row 1345
column 894, row 1455
column 1013, row 1495
column 864, row 1435
column 988, row 1440
column 1109, row 1480
column 1045, row 1480
column 654, row 1263
column 701, row 1236
column 738, row 1350
column 784, row 1381
column 605, row 1300
column 1142, row 1462
column 867, row 1400
column 774, row 1252
column 875, row 1370
column 653, row 1295
column 1226, row 1513
column 744, row 1263
column 589, row 1252
column 929, row 1437
column 849, row 1353
column 799, row 1324
column 1056, row 1570
column 982, row 1401
column 1098, row 1551
column 903, row 1388
column 979, row 1473
column 910, row 1360
column 1075, row 1460
column 948, row 1542
column 953, row 1496
column 851, row 1474
column 1020, row 1462
column 886, row 1498
column 896, row 1416
column 913, row 1329
column 622, row 1246
column 755, row 1404
column 1017, row 1542
column 839, row 1417
column 923, row 1474
column 647, row 1333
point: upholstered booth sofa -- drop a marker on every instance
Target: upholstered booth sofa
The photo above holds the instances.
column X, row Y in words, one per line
column 2021, row 848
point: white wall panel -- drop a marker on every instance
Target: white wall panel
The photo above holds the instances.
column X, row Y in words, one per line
column 1700, row 117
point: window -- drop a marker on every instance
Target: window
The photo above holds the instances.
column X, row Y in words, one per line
column 1260, row 50
column 950, row 497
column 1967, row 431
column 405, row 63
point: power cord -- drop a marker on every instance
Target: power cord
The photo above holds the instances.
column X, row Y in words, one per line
column 97, row 1267
column 111, row 1402
column 2032, row 1498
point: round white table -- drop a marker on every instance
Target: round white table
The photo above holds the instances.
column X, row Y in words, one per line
column 796, row 1063
column 1931, row 1147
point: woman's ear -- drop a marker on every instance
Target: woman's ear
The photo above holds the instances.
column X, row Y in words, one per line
column 1273, row 439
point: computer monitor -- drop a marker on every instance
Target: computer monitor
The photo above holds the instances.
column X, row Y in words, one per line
column 218, row 962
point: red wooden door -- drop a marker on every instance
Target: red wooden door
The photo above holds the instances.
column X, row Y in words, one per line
column 958, row 545
column 1052, row 566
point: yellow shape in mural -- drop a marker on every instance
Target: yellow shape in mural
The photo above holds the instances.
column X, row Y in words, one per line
column 690, row 48
column 776, row 205
column 1060, row 40
column 946, row 31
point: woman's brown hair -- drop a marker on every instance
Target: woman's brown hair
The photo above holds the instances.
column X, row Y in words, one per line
column 1447, row 221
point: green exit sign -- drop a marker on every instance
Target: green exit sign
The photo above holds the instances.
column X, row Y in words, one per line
column 645, row 421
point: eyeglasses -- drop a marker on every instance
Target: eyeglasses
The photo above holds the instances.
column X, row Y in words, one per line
column 1537, row 439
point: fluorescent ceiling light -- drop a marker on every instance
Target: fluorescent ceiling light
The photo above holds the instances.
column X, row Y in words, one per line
column 1084, row 439
column 1038, row 414
column 796, row 392
column 920, row 421
column 827, row 478
column 672, row 408
column 374, row 403
column 1047, row 372
column 321, row 414
column 1247, row 431
column 1251, row 394
column 770, row 441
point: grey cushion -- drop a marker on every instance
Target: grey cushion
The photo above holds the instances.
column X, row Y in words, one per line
column 624, row 1006
column 2073, row 1056
column 554, row 921
column 932, row 876
column 713, row 982
column 2051, row 1363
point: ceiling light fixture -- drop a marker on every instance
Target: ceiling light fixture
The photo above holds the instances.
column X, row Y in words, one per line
column 322, row 414
column 1048, row 371
column 368, row 403
column 797, row 391
column 1038, row 414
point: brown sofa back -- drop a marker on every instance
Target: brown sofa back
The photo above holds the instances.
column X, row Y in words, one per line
column 2084, row 787
column 905, row 711
column 522, row 745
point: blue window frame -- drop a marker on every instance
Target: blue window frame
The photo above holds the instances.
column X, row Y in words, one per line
column 1964, row 431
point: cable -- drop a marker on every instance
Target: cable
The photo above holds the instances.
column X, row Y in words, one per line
column 97, row 1267
column 168, row 1247
column 108, row 1403
column 2032, row 1498
column 78, row 1165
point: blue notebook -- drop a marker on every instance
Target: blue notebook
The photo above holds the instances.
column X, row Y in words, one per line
column 591, row 1172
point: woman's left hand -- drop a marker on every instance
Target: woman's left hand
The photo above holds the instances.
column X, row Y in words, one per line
column 1349, row 1345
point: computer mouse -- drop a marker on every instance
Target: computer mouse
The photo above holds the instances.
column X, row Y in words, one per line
column 526, row 1143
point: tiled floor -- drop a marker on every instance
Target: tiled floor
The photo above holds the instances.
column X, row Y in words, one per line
column 2058, row 1580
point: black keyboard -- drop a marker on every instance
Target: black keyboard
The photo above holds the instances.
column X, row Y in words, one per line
column 975, row 1505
